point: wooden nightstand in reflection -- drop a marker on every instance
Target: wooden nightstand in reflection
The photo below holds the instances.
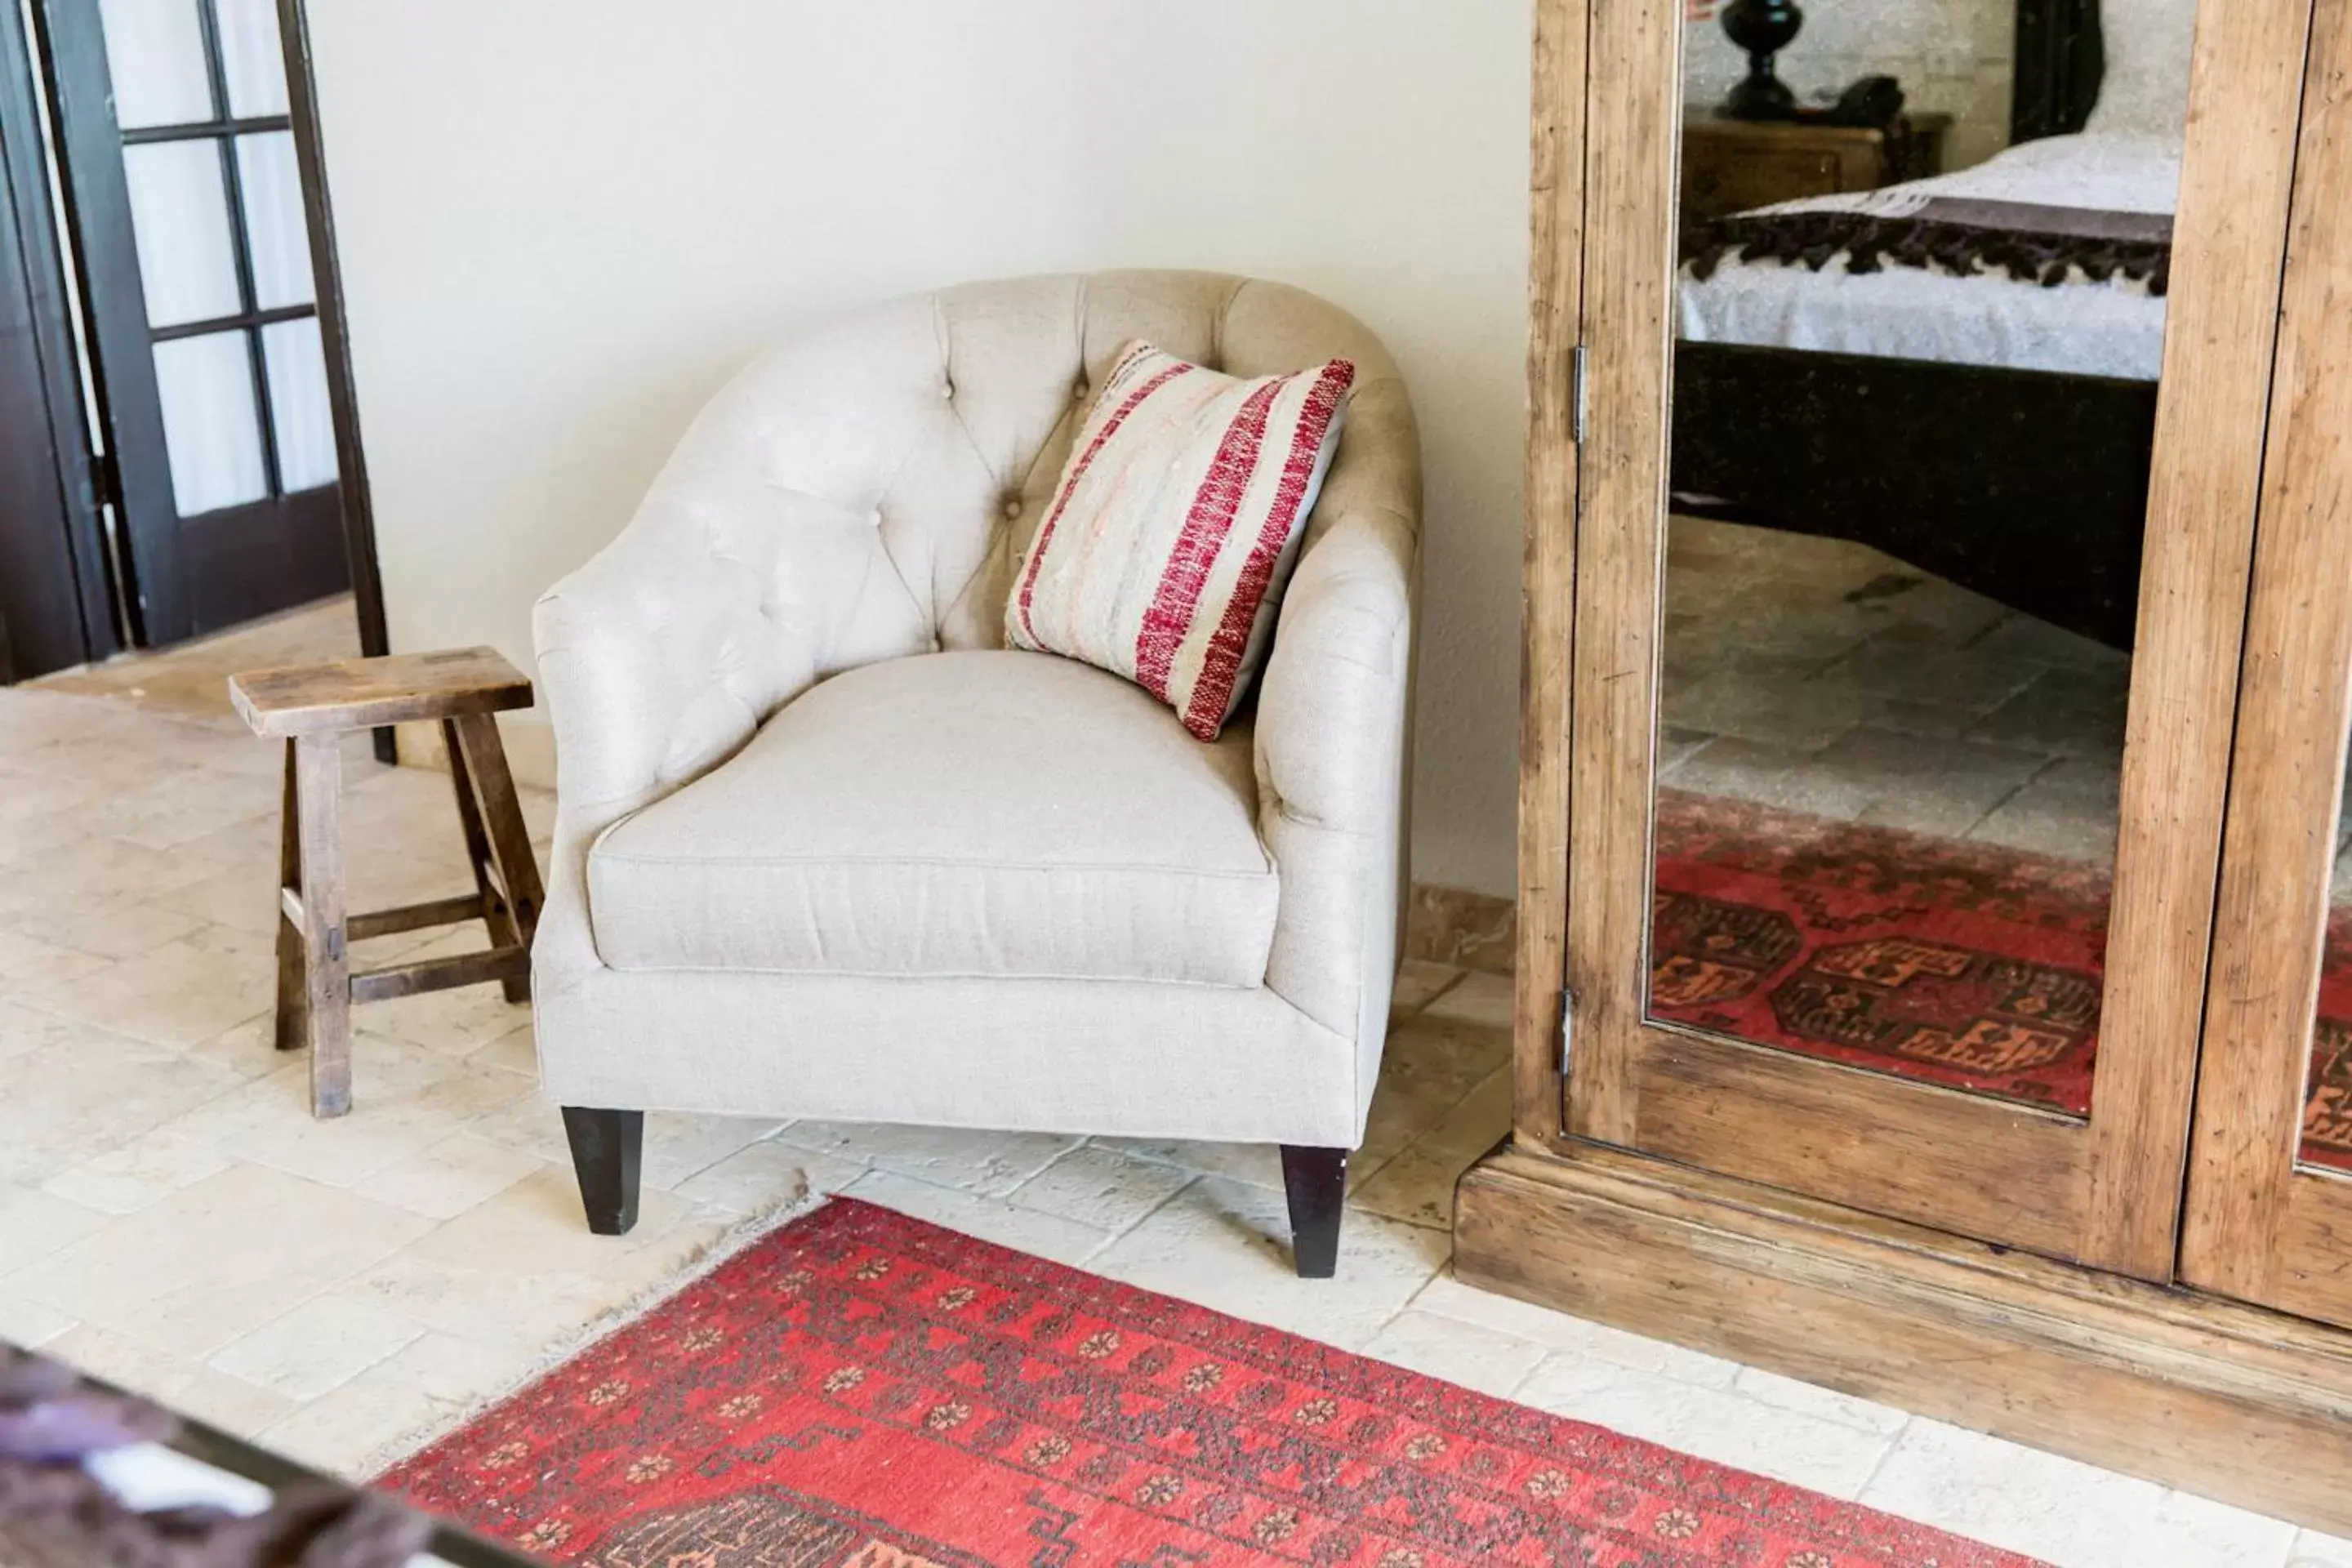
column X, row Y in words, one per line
column 1731, row 165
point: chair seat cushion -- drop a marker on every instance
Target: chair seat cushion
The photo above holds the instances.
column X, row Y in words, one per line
column 987, row 813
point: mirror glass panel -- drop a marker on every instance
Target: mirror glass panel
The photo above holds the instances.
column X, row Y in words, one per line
column 155, row 62
column 277, row 234
column 252, row 58
column 1920, row 322
column 2327, row 1092
column 211, row 429
column 179, row 214
column 304, row 421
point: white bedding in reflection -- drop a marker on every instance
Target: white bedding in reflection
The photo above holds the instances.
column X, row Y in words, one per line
column 2115, row 328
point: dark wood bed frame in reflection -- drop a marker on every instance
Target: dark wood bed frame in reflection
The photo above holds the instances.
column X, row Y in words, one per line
column 2028, row 486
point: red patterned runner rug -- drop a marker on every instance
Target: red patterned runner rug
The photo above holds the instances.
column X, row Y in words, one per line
column 862, row 1390
column 1953, row 962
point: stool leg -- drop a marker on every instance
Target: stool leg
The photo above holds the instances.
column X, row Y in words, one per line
column 290, row 982
column 497, row 915
column 518, row 868
column 327, row 1000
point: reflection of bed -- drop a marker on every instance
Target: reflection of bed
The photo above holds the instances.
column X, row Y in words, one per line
column 1992, row 431
column 1993, row 319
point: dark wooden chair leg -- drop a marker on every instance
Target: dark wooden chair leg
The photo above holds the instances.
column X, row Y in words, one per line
column 1315, row 1183
column 607, row 1151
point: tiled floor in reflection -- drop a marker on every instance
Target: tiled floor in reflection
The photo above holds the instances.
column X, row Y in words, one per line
column 1822, row 677
column 170, row 1216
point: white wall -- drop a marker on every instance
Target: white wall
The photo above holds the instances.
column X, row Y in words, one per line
column 564, row 223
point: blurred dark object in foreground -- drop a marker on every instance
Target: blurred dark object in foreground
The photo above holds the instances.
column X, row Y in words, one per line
column 56, row 1512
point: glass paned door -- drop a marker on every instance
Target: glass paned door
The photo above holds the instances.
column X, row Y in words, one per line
column 197, row 251
column 1900, row 526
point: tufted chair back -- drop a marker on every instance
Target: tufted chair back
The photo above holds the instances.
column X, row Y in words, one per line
column 864, row 491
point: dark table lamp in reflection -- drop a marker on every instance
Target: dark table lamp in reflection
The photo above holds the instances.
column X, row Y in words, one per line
column 1762, row 27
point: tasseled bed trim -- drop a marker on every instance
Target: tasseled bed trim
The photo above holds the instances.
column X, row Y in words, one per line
column 1965, row 237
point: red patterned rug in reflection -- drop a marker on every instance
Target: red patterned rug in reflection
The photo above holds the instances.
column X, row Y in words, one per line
column 1959, row 964
column 862, row 1390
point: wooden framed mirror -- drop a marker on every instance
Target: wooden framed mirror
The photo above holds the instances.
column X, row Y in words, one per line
column 1842, row 917
column 2270, row 1185
column 1835, row 1080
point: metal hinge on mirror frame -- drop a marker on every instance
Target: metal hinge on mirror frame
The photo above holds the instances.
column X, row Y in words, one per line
column 1567, row 1027
column 1577, row 385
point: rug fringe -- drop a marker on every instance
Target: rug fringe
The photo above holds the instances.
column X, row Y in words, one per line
column 746, row 1230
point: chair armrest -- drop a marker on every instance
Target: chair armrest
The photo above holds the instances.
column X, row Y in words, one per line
column 635, row 653
column 657, row 661
column 1333, row 717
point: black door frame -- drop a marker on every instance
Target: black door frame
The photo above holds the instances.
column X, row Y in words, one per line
column 136, row 478
column 60, row 611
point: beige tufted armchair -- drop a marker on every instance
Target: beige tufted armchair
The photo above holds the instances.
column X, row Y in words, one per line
column 824, row 847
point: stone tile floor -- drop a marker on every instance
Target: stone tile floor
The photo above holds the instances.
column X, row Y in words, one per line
column 172, row 1217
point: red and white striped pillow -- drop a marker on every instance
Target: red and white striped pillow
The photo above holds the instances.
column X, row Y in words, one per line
column 1176, row 524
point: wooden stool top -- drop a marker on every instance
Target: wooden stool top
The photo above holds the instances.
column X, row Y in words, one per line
column 362, row 693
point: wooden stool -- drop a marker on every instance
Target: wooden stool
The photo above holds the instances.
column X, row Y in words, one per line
column 311, row 708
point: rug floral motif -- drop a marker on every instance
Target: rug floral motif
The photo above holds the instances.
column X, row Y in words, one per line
column 862, row 1390
column 1959, row 964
